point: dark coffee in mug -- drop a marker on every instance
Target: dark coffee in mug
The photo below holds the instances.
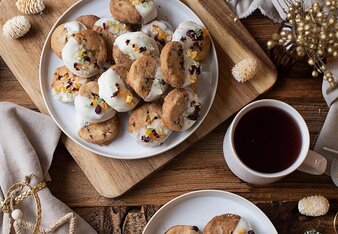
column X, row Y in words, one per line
column 267, row 139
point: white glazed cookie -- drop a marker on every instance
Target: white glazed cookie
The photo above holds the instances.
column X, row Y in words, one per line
column 130, row 46
column 114, row 91
column 228, row 223
column 146, row 126
column 161, row 31
column 194, row 38
column 90, row 106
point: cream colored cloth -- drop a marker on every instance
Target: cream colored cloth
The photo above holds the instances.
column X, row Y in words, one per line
column 27, row 143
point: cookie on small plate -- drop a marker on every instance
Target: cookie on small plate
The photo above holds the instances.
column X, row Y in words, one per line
column 113, row 90
column 85, row 53
column 146, row 79
column 195, row 38
column 88, row 20
column 100, row 133
column 130, row 46
column 90, row 106
column 228, row 223
column 62, row 33
column 65, row 84
column 177, row 66
column 183, row 229
column 133, row 11
column 181, row 109
column 161, row 31
column 110, row 28
column 146, row 126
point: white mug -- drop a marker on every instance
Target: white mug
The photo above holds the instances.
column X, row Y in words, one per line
column 307, row 160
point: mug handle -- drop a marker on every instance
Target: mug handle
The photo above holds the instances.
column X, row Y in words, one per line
column 314, row 164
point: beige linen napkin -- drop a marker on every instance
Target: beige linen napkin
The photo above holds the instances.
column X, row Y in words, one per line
column 27, row 143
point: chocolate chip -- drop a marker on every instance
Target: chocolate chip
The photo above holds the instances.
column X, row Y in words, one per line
column 251, row 232
column 98, row 109
column 143, row 49
column 145, row 139
column 195, row 228
column 127, row 42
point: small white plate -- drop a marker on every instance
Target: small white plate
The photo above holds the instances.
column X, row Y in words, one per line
column 124, row 147
column 199, row 207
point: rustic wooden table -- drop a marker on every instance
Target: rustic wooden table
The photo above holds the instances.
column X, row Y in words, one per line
column 200, row 167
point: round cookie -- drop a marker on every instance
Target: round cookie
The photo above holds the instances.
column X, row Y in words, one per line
column 145, row 78
column 194, row 38
column 65, row 84
column 177, row 67
column 85, row 53
column 110, row 28
column 90, row 107
column 161, row 31
column 100, row 133
column 133, row 11
column 145, row 125
column 181, row 109
column 113, row 90
column 228, row 223
column 130, row 46
column 183, row 229
column 88, row 20
column 62, row 33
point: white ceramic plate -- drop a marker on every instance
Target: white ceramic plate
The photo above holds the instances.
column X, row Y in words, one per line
column 124, row 147
column 199, row 207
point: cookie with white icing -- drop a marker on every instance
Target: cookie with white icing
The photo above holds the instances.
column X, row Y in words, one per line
column 110, row 28
column 181, row 109
column 90, row 106
column 85, row 53
column 113, row 90
column 228, row 223
column 146, row 79
column 130, row 46
column 195, row 39
column 161, row 31
column 183, row 229
column 100, row 133
column 62, row 33
column 88, row 20
column 177, row 66
column 133, row 11
column 65, row 84
column 146, row 126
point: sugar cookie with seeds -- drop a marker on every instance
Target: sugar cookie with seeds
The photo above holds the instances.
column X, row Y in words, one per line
column 181, row 109
column 183, row 229
column 85, row 53
column 65, row 84
column 161, row 31
column 100, row 133
column 228, row 223
column 146, row 126
column 88, row 20
column 133, row 11
column 62, row 33
column 146, row 79
column 90, row 106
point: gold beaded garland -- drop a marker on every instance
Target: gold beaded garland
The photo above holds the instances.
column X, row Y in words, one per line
column 314, row 32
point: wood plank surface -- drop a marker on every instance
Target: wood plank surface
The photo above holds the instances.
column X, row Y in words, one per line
column 22, row 56
column 183, row 174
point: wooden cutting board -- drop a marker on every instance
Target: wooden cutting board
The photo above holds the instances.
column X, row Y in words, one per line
column 112, row 178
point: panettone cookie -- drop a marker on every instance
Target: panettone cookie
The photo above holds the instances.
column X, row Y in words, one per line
column 130, row 46
column 85, row 53
column 62, row 33
column 181, row 109
column 114, row 91
column 133, row 11
column 100, row 133
column 88, row 20
column 146, row 79
column 183, row 229
column 177, row 66
column 145, row 125
column 110, row 28
column 228, row 223
column 195, row 38
column 65, row 84
column 161, row 31
column 90, row 106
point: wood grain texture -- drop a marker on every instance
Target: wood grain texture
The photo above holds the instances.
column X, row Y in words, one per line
column 22, row 56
